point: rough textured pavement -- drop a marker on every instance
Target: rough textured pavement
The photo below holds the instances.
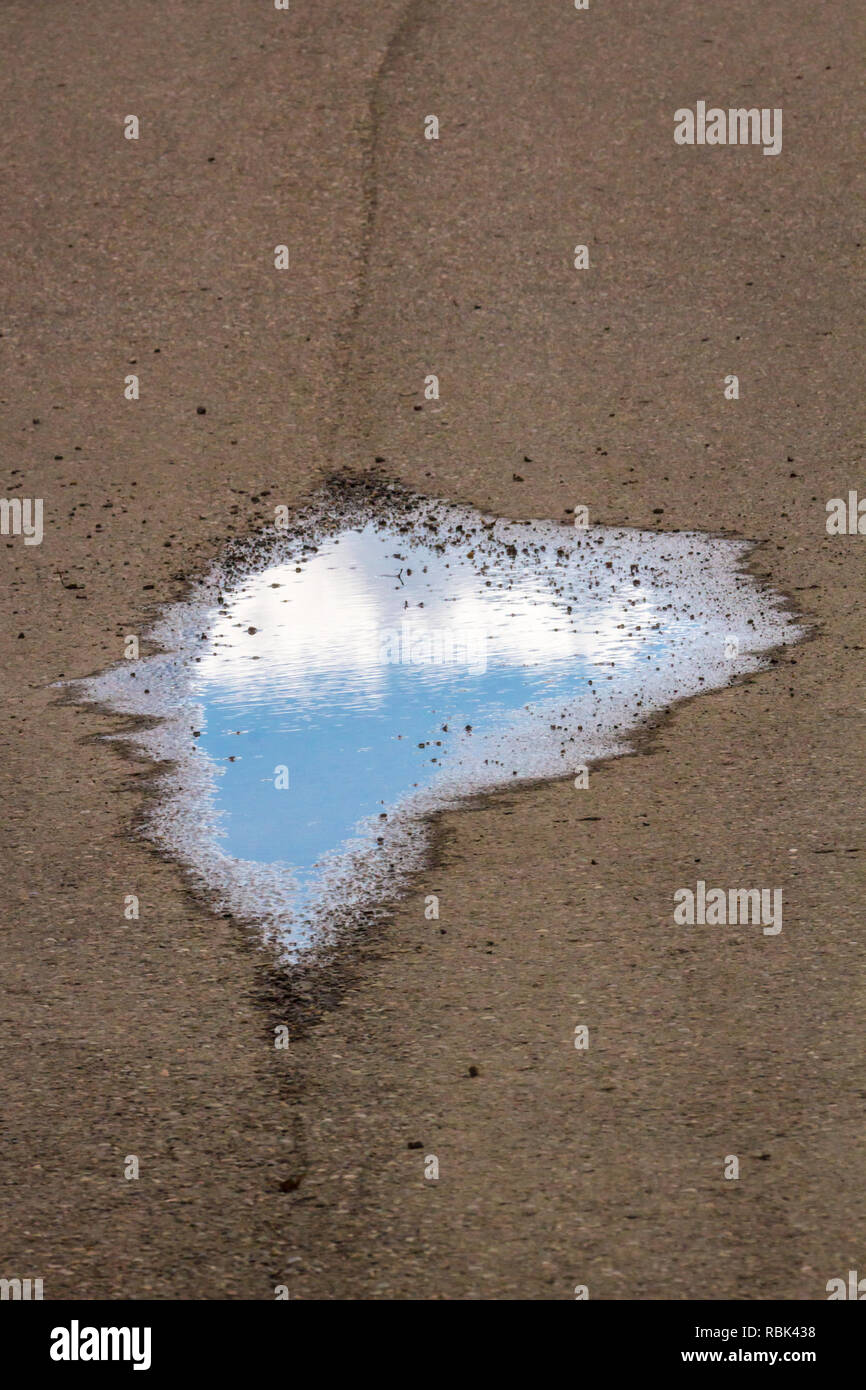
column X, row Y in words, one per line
column 602, row 387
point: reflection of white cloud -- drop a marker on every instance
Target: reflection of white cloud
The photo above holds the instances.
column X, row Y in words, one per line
column 327, row 627
column 323, row 644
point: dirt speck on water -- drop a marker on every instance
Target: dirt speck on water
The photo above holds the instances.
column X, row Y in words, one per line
column 555, row 1166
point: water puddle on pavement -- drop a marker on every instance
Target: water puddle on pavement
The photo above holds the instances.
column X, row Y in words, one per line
column 323, row 694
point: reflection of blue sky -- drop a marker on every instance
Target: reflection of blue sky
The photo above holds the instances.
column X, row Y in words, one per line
column 312, row 688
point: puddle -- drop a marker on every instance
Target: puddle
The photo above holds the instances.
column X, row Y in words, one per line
column 329, row 688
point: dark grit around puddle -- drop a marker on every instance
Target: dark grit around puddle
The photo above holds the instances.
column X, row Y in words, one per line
column 329, row 687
